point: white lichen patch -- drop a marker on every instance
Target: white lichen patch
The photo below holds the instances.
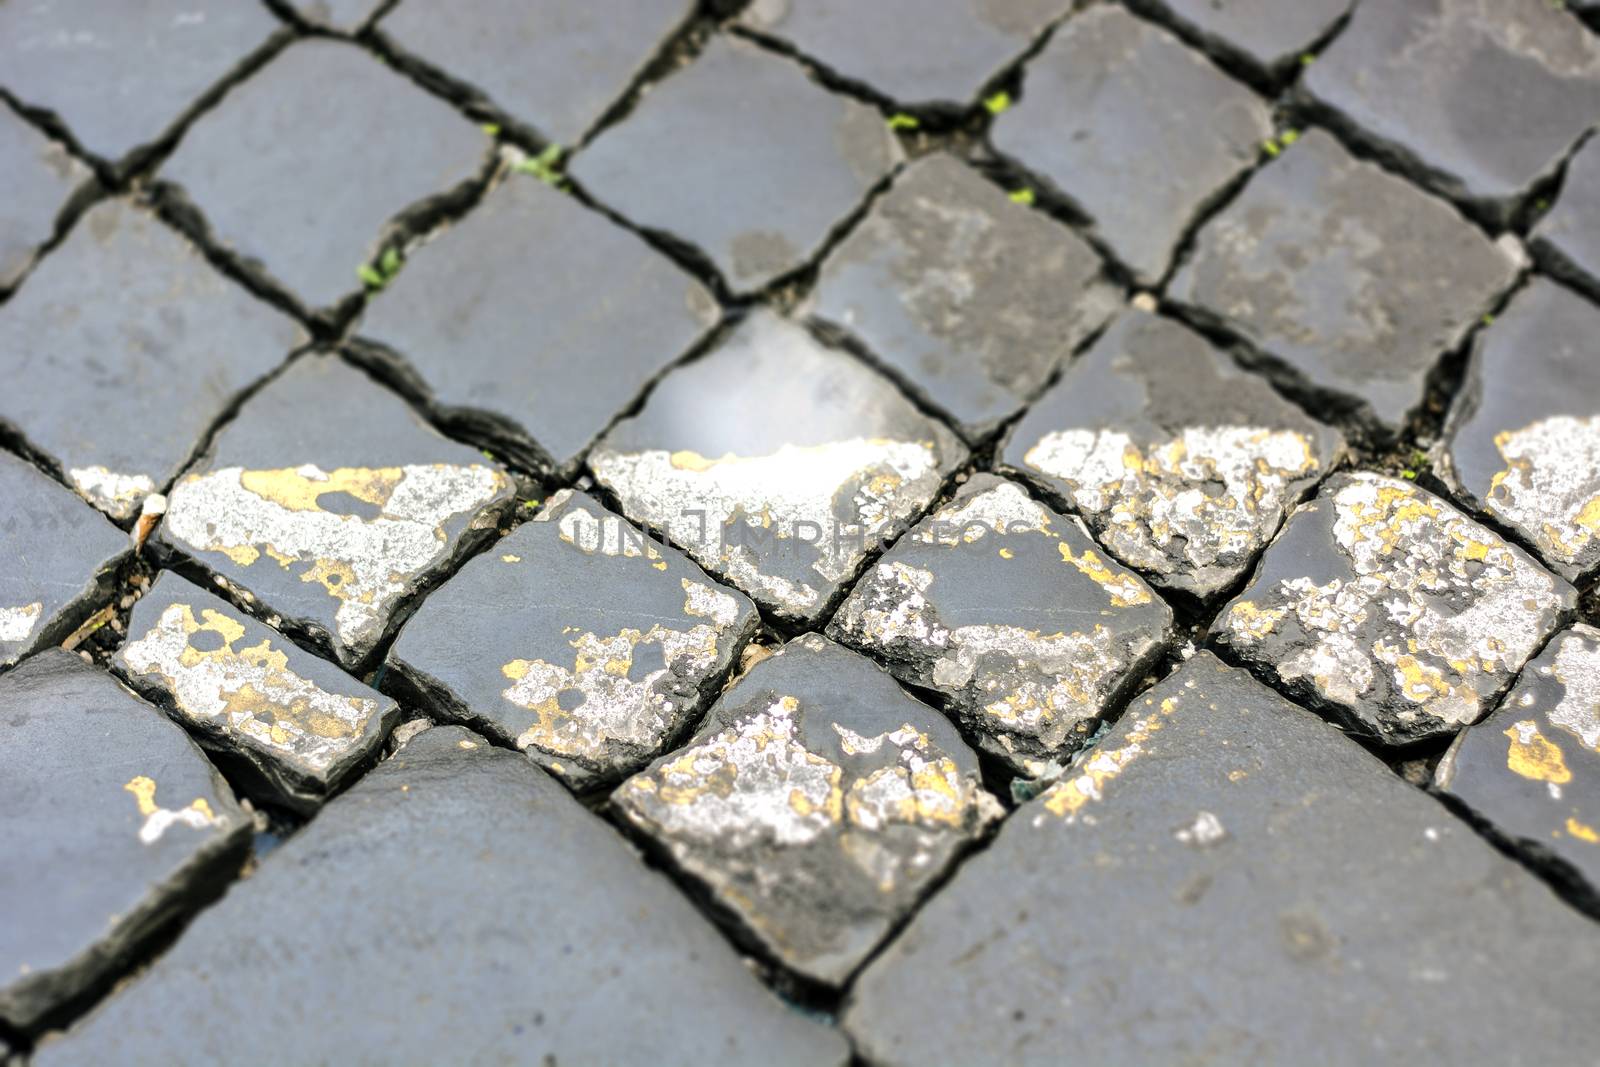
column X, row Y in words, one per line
column 17, row 624
column 1577, row 668
column 1550, row 487
column 196, row 815
column 583, row 708
column 1209, row 497
column 592, row 534
column 731, row 512
column 365, row 562
column 119, row 495
column 1434, row 614
column 249, row 692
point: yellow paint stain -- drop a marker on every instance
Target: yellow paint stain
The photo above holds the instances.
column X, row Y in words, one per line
column 144, row 793
column 1006, row 553
column 1583, row 831
column 509, row 558
column 1257, row 622
column 1067, row 797
column 1536, row 759
column 291, row 489
column 1124, row 590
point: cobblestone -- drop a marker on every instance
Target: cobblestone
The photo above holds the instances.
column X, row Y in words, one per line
column 42, row 180
column 123, row 282
column 1569, row 236
column 407, row 921
column 1300, row 266
column 1228, row 876
column 972, row 299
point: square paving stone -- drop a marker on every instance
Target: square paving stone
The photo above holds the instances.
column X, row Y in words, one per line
column 330, row 503
column 60, row 559
column 1348, row 281
column 456, row 904
column 1112, row 93
column 558, row 64
column 1007, row 611
column 127, row 319
column 933, row 54
column 777, row 463
column 120, row 76
column 42, row 182
column 296, row 725
column 1532, row 769
column 1230, row 880
column 113, row 822
column 973, row 299
column 1568, row 238
column 576, row 639
column 1494, row 95
column 1267, row 37
column 1182, row 464
column 1387, row 608
column 743, row 157
column 300, row 170
column 816, row 804
column 1523, row 439
column 534, row 320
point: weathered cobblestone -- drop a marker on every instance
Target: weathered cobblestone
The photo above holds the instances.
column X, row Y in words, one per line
column 538, row 369
column 1229, row 877
column 743, row 157
column 299, row 169
column 294, row 726
column 1568, row 238
column 559, row 66
column 972, row 299
column 1181, row 463
column 112, row 821
column 816, row 804
column 1523, row 441
column 1532, row 769
column 927, row 53
column 330, row 503
column 410, row 921
column 127, row 319
column 60, row 560
column 41, row 180
column 1112, row 92
column 777, row 463
column 1478, row 99
column 1395, row 613
column 1306, row 267
column 577, row 640
column 1266, row 37
column 120, row 76
column 1007, row 610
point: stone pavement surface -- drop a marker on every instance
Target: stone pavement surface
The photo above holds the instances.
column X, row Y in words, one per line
column 799, row 531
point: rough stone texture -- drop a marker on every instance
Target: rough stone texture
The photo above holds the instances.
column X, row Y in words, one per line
column 1267, row 37
column 1181, row 463
column 743, row 157
column 295, row 726
column 1230, row 880
column 41, row 180
column 119, row 76
column 454, row 905
column 60, row 559
column 1108, row 95
column 777, row 464
column 1007, row 610
column 299, row 169
column 927, row 53
column 1523, row 439
column 341, row 16
column 1392, row 611
column 816, row 804
column 1568, row 238
column 558, row 64
column 1494, row 94
column 534, row 321
column 333, row 503
column 576, row 639
column 112, row 822
column 1344, row 278
column 972, row 299
column 1532, row 769
column 127, row 321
